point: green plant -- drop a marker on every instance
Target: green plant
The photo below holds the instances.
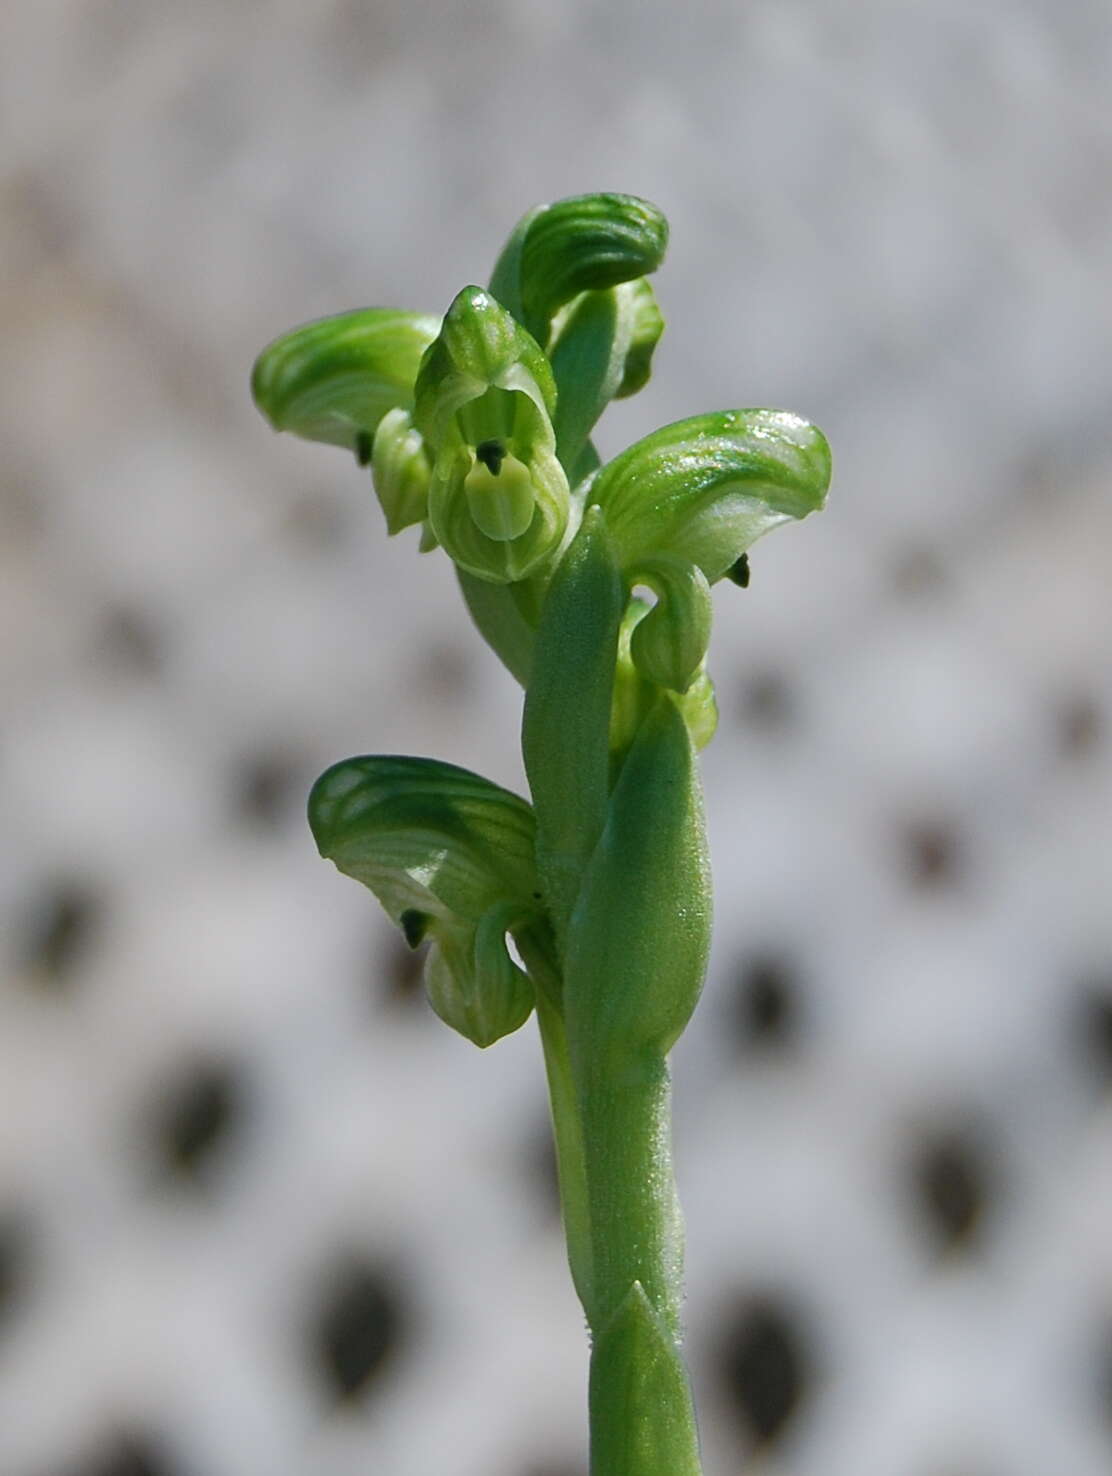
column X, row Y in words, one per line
column 477, row 428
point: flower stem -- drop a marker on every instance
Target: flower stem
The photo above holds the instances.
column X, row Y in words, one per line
column 570, row 1161
column 641, row 1413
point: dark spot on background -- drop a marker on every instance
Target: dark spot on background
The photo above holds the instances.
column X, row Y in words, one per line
column 320, row 522
column 45, row 210
column 446, row 672
column 949, row 1185
column 766, row 702
column 23, row 518
column 129, row 1454
column 358, row 1327
column 919, row 573
column 197, row 1116
column 131, row 641
column 766, row 999
column 1080, row 725
column 60, row 929
column 1102, row 1364
column 268, row 784
column 932, row 854
column 762, row 1365
column 948, row 1470
column 400, row 971
column 1094, row 1028
column 540, row 1165
column 356, row 40
column 15, row 1259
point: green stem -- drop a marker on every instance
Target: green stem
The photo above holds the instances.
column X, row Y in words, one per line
column 636, row 1225
column 624, row 1237
column 641, row 1411
column 568, row 1136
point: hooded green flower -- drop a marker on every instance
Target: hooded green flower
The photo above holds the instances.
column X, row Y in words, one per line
column 499, row 502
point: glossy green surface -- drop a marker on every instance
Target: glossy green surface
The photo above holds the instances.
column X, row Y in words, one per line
column 478, row 427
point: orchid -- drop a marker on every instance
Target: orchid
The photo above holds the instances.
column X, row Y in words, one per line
column 589, row 904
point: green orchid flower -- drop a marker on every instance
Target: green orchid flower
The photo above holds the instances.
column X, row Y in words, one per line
column 499, row 501
column 589, row 906
column 450, row 857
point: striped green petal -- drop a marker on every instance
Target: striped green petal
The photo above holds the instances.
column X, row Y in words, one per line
column 333, row 380
column 707, row 488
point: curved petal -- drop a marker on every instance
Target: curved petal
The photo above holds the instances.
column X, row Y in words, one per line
column 425, row 836
column 480, row 348
column 334, row 379
column 575, row 245
column 706, row 489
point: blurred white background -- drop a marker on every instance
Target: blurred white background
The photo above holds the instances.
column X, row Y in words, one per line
column 260, row 1213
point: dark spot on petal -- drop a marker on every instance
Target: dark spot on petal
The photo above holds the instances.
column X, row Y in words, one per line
column 364, row 443
column 492, row 454
column 738, row 572
column 414, row 925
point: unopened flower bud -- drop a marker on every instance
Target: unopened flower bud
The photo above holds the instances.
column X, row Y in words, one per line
column 669, row 644
column 401, row 471
column 451, row 858
column 472, row 982
column 634, row 694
